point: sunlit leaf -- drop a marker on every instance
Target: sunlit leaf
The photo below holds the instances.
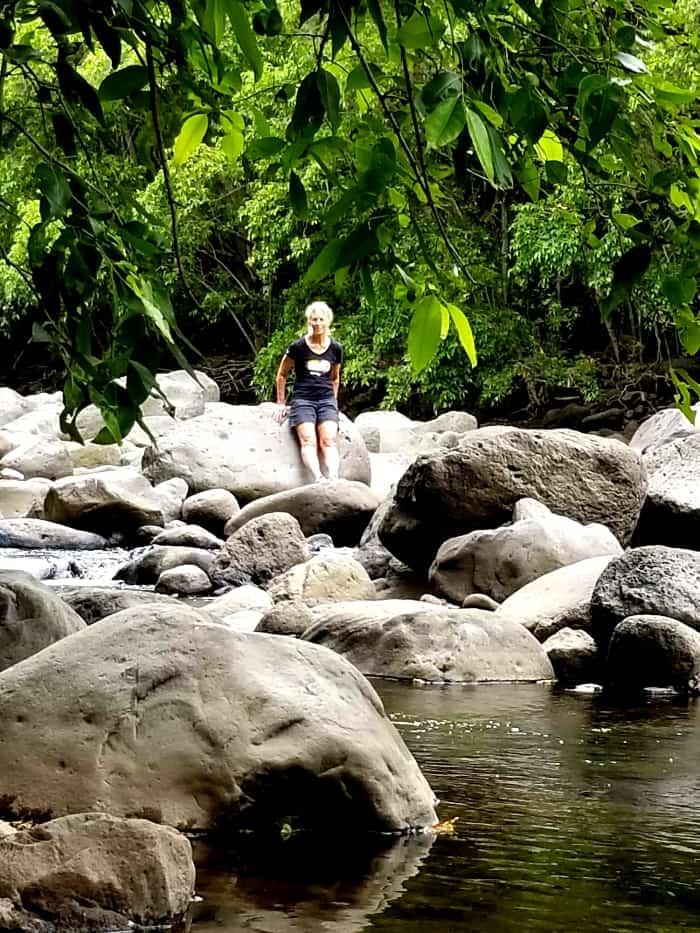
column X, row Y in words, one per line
column 482, row 143
column 445, row 123
column 424, row 332
column 190, row 136
column 464, row 332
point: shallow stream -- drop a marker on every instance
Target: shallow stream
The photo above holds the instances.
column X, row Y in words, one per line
column 573, row 814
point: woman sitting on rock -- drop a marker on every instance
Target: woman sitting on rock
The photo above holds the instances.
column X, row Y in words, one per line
column 313, row 411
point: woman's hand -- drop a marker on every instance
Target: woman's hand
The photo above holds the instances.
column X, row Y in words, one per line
column 281, row 412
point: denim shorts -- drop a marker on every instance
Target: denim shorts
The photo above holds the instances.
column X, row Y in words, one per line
column 312, row 411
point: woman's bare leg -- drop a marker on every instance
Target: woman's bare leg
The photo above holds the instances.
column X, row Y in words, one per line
column 328, row 443
column 308, row 448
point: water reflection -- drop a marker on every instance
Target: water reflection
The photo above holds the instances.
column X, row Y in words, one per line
column 303, row 887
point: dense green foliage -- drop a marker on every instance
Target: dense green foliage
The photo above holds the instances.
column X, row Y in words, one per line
column 516, row 179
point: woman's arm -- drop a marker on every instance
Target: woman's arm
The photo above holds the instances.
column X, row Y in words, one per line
column 283, row 371
column 335, row 379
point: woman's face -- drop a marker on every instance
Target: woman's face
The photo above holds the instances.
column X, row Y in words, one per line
column 318, row 323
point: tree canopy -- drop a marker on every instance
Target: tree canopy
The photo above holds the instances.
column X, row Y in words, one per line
column 374, row 136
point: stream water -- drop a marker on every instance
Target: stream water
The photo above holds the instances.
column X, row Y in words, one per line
column 573, row 814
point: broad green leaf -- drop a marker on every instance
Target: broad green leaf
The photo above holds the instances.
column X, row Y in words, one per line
column 232, row 144
column 359, row 244
column 445, row 322
column 375, row 11
column 445, row 123
column 74, row 87
column 690, row 338
column 527, row 113
column 557, row 173
column 445, row 84
column 631, row 63
column 55, row 190
column 501, row 168
column 330, row 95
column 482, row 143
column 548, row 147
column 493, row 116
column 265, row 148
column 424, row 332
column 672, row 97
column 625, row 221
column 121, row 84
column 680, row 290
column 529, row 177
column 357, row 80
column 297, row 195
column 464, row 332
column 325, row 263
column 682, row 398
column 244, row 34
column 418, row 32
column 190, row 136
column 599, row 112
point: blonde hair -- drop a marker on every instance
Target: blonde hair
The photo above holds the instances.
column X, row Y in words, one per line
column 319, row 307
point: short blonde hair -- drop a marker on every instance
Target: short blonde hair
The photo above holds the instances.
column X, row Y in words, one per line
column 319, row 307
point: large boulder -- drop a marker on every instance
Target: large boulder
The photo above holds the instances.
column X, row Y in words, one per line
column 560, row 599
column 170, row 496
column 341, row 509
column 663, row 427
column 93, row 603
column 326, row 577
column 387, row 470
column 104, row 501
column 671, row 513
column 286, row 618
column 475, row 486
column 243, row 449
column 237, row 599
column 91, row 871
column 149, row 565
column 160, row 713
column 391, row 432
column 423, row 641
column 35, row 533
column 188, row 536
column 574, row 656
column 264, row 547
column 185, row 580
column 23, row 498
column 43, row 457
column 501, row 561
column 12, row 405
column 211, row 509
column 653, row 651
column 654, row 580
column 31, row 617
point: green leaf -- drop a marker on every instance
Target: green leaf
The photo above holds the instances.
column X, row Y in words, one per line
column 55, row 189
column 244, row 34
column 190, row 136
column 682, row 398
column 680, row 290
column 74, row 87
column 424, row 332
column 672, row 97
column 357, row 80
column 297, row 195
column 529, row 177
column 445, row 123
column 493, row 116
column 631, row 63
column 482, row 143
column 375, row 11
column 464, row 332
column 527, row 114
column 418, row 31
column 625, row 221
column 504, row 176
column 325, row 263
column 445, row 84
column 600, row 109
column 557, row 173
column 548, row 147
column 265, row 148
column 232, row 144
column 360, row 243
column 690, row 338
column 330, row 95
column 121, row 84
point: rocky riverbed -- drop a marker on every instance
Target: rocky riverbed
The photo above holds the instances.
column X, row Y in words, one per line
column 187, row 626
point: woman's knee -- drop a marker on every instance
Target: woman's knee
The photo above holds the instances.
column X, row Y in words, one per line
column 327, row 443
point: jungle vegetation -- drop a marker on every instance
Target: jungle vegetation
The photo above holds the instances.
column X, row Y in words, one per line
column 498, row 197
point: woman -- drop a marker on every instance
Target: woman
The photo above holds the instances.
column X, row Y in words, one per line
column 313, row 412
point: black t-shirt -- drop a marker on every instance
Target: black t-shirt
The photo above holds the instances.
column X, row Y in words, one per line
column 313, row 370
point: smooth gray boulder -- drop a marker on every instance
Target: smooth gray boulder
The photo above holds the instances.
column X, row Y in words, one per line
column 210, row 509
column 158, row 712
column 23, row 498
column 171, row 495
column 390, row 432
column 241, row 597
column 557, row 600
column 475, row 486
column 93, row 603
column 653, row 651
column 664, row 426
column 35, row 533
column 286, row 618
column 430, row 643
column 44, row 457
column 574, row 656
column 147, row 567
column 105, row 501
column 12, row 405
column 185, row 580
column 32, row 616
column 498, row 562
column 91, row 871
column 326, row 577
column 189, row 536
column 243, row 449
column 671, row 512
column 263, row 548
column 387, row 470
column 652, row 580
column 341, row 509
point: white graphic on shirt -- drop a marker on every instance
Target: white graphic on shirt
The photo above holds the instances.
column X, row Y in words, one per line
column 318, row 367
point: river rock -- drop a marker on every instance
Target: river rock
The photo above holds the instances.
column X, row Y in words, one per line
column 286, row 618
column 341, row 509
column 171, row 495
column 12, row 405
column 671, row 513
column 91, row 871
column 243, row 449
column 243, row 620
column 23, row 498
column 148, row 566
column 92, row 456
column 449, row 493
column 663, row 427
column 241, row 597
column 189, row 536
column 160, row 713
column 45, row 458
column 211, row 509
column 326, row 577
column 93, row 603
column 31, row 617
column 264, row 547
column 387, row 470
column 652, row 580
column 479, row 601
column 430, row 643
column 185, row 580
column 653, row 651
column 557, row 600
column 574, row 656
column 42, row 421
column 104, row 501
column 384, row 431
column 35, row 533
column 501, row 561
